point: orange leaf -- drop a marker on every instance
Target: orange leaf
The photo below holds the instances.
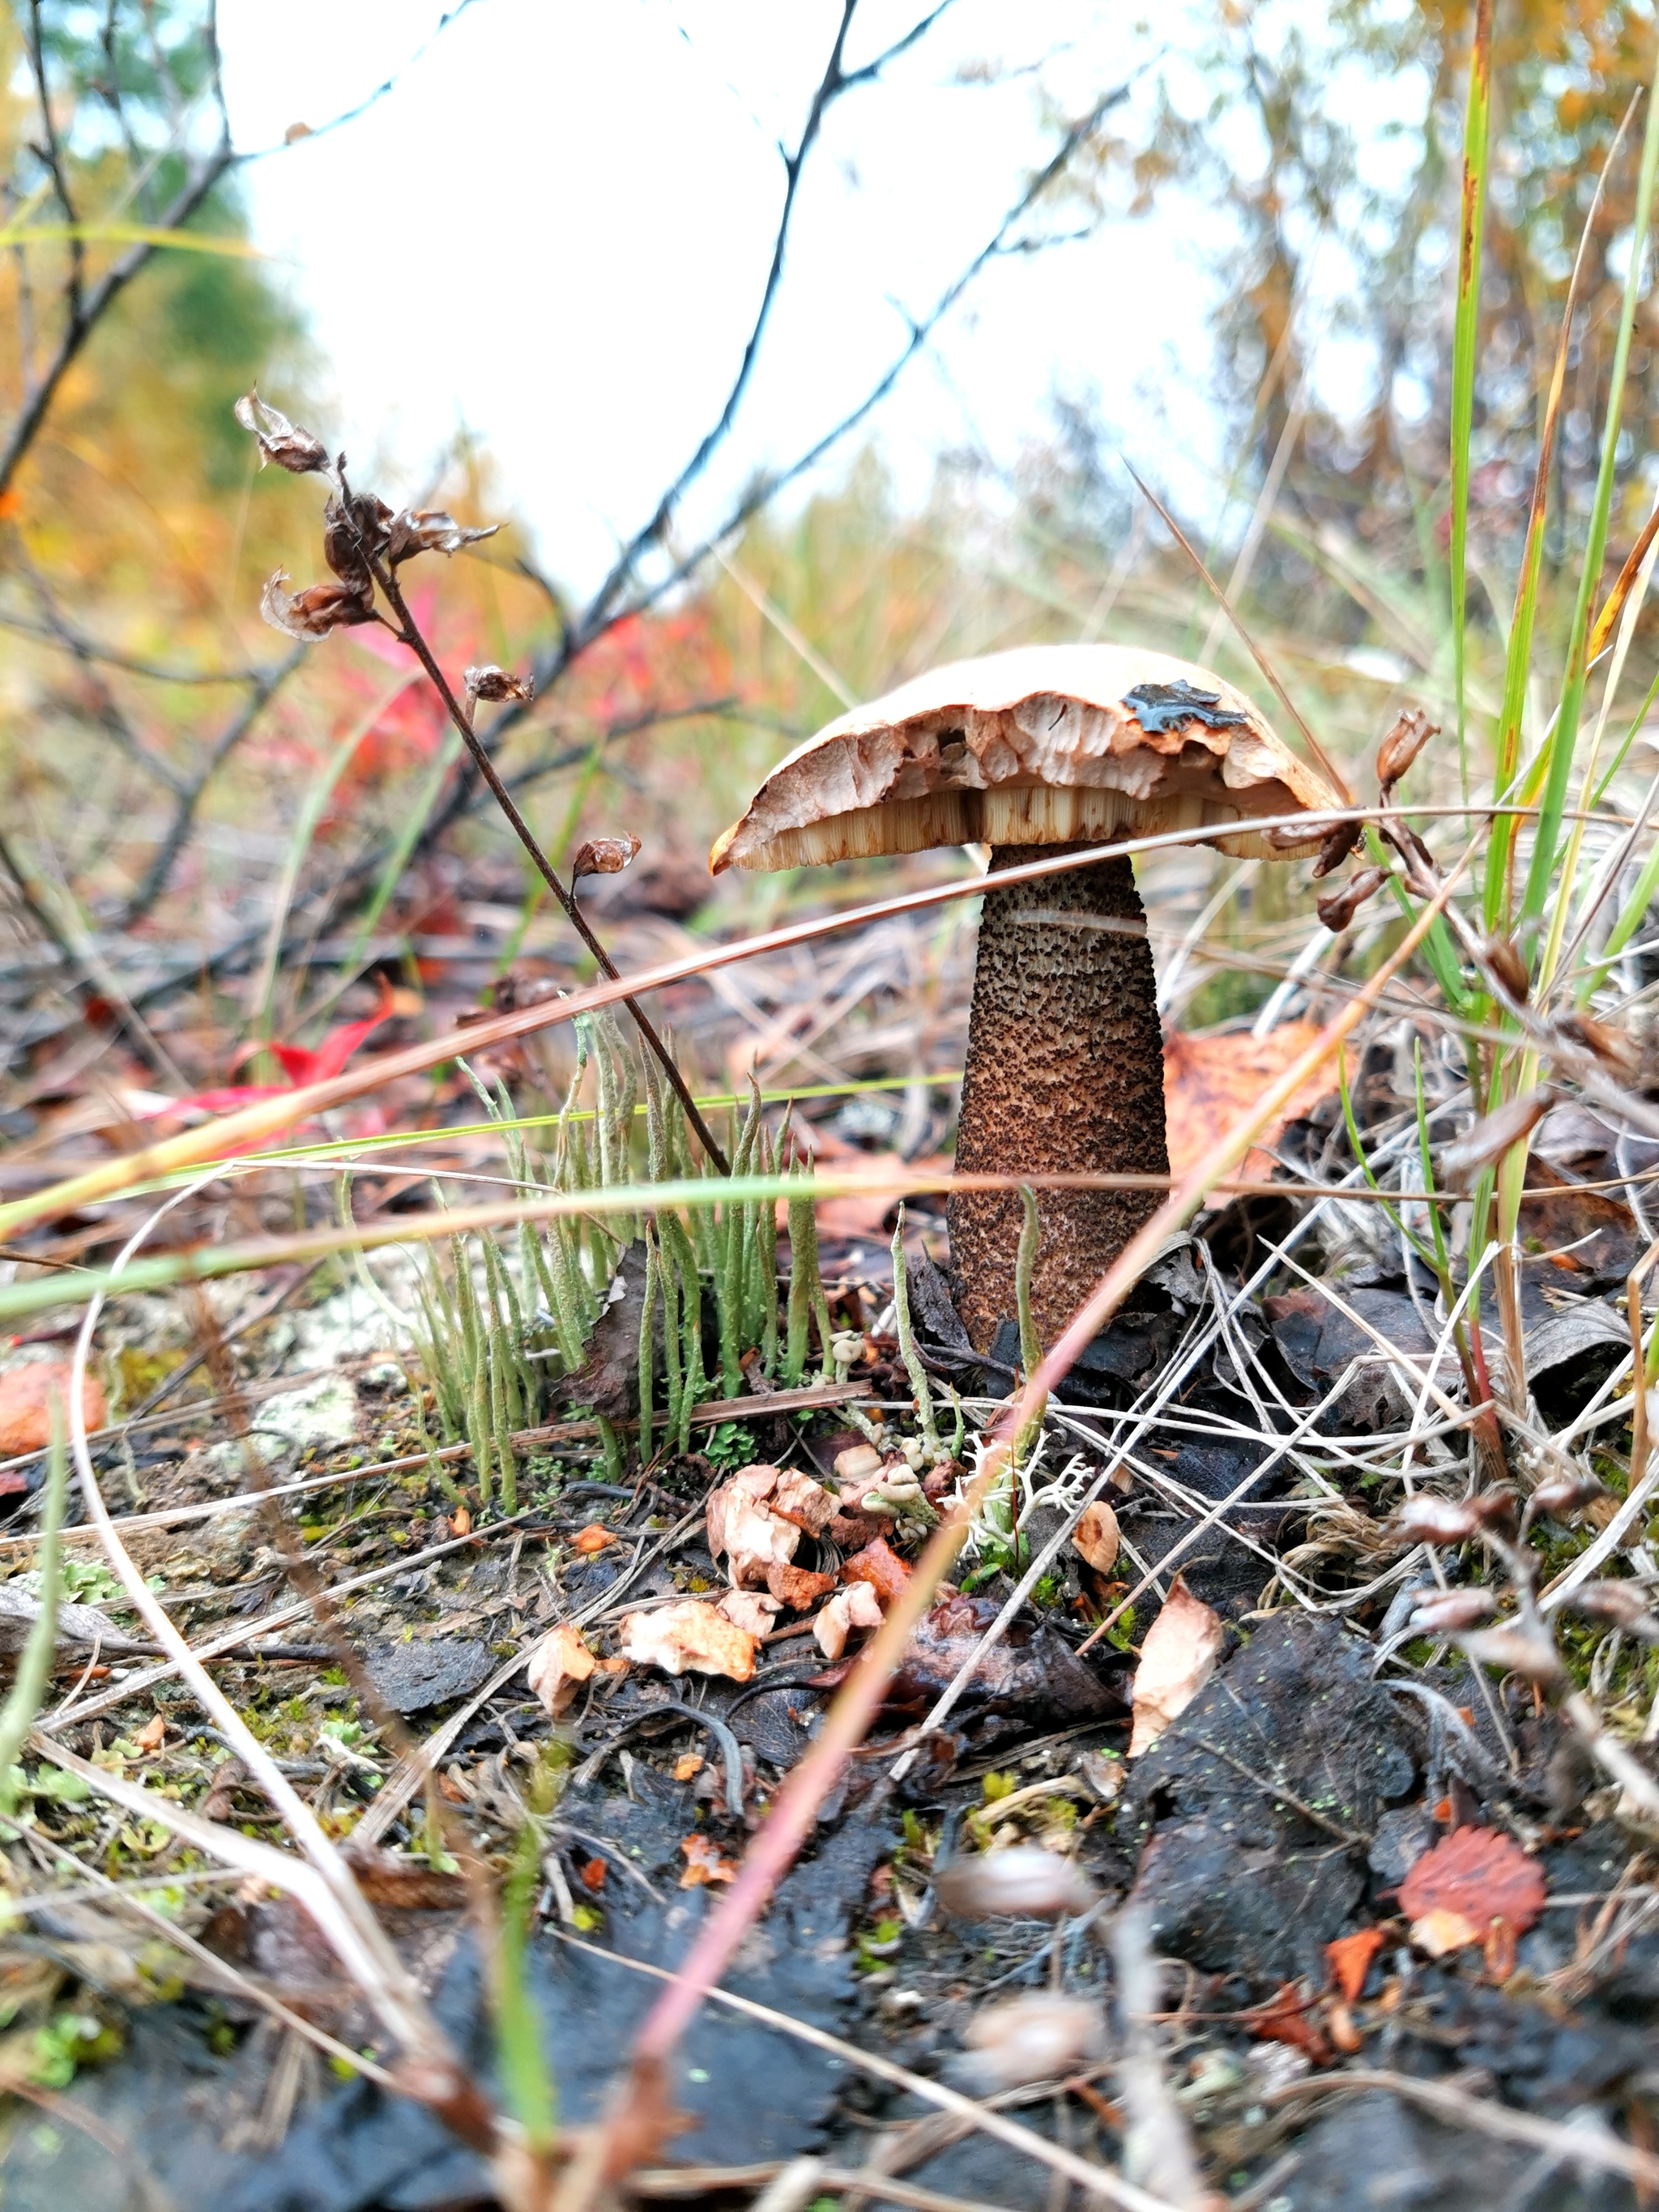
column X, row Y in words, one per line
column 149, row 1738
column 592, row 1874
column 1209, row 1081
column 1351, row 1957
column 1284, row 2019
column 1475, row 1876
column 593, row 1538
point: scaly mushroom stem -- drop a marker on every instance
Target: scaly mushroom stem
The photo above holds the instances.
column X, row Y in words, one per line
column 1064, row 1075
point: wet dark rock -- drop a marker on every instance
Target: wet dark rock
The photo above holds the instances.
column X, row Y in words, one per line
column 411, row 1677
column 1317, row 1342
column 1402, row 1836
column 1375, row 2153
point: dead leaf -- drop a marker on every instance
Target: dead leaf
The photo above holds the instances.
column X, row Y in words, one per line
column 705, row 1862
column 854, row 1607
column 880, row 1566
column 403, row 1885
column 1472, row 1878
column 1284, row 2019
column 593, row 1538
column 559, row 1665
column 1210, row 1081
column 26, row 1400
column 688, row 1635
column 1176, row 1660
column 1095, row 1536
column 687, row 1764
column 592, row 1874
column 429, row 530
column 149, row 1738
column 1350, row 1958
column 461, row 1522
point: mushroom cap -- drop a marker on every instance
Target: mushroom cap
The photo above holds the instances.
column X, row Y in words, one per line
column 1045, row 744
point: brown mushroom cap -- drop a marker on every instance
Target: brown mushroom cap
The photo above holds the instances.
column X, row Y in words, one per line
column 1045, row 744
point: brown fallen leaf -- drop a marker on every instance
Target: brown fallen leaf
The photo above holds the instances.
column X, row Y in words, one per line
column 1095, row 1536
column 559, row 1665
column 1350, row 1959
column 26, row 1394
column 1176, row 1660
column 1476, row 1886
column 687, row 1764
column 461, row 1522
column 401, row 1885
column 705, row 1861
column 1209, row 1081
column 690, row 1636
column 149, row 1738
column 1284, row 2019
column 854, row 1607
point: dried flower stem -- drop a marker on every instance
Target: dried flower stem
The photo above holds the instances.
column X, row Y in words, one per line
column 409, row 634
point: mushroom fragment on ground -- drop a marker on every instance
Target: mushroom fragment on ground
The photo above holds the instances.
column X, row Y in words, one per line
column 1177, row 1658
column 854, row 1607
column 1034, row 751
column 756, row 1519
column 559, row 1665
column 689, row 1636
column 1040, row 2036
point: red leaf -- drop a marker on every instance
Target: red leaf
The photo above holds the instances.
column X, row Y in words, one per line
column 1480, row 1874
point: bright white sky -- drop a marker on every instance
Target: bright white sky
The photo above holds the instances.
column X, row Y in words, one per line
column 554, row 231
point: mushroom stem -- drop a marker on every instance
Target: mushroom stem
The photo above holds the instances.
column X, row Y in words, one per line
column 1065, row 1074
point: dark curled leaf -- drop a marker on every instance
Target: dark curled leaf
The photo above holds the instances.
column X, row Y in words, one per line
column 1623, row 1604
column 280, row 441
column 1489, row 1140
column 429, row 531
column 486, row 681
column 1337, row 847
column 1401, row 746
column 605, row 856
column 1338, row 908
column 313, row 612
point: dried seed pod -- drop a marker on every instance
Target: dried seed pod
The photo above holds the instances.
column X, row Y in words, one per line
column 1436, row 1520
column 1564, row 1495
column 486, row 680
column 1338, row 908
column 605, row 856
column 1401, row 746
column 1515, row 1651
column 1489, row 1140
column 1025, row 1881
column 280, row 441
column 1613, row 1048
column 429, row 530
column 313, row 612
column 1337, row 847
column 1450, row 1611
column 1039, row 2037
column 1498, row 1509
column 1502, row 959
column 1623, row 1605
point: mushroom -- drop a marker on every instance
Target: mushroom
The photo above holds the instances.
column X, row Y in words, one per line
column 1043, row 748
